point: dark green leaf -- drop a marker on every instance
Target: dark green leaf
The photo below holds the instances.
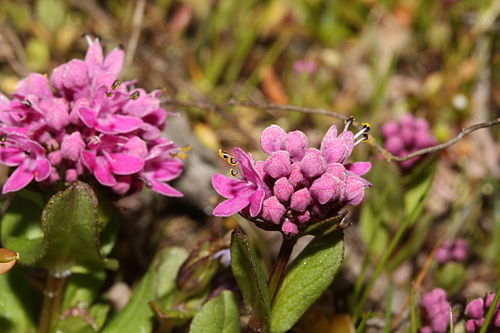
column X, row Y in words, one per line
column 306, row 279
column 82, row 289
column 19, row 303
column 323, row 228
column 250, row 277
column 219, row 315
column 74, row 324
column 68, row 239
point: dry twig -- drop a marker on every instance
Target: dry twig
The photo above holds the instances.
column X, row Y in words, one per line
column 390, row 157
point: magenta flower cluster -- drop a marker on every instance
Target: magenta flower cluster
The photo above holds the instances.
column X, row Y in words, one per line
column 436, row 312
column 83, row 120
column 296, row 185
column 407, row 135
column 452, row 251
column 476, row 312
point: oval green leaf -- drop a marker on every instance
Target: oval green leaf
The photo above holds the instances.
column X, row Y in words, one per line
column 219, row 315
column 306, row 279
column 250, row 277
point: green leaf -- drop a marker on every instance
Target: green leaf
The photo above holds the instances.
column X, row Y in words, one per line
column 325, row 227
column 137, row 316
column 82, row 289
column 306, row 279
column 68, row 239
column 417, row 185
column 19, row 303
column 21, row 229
column 250, row 277
column 219, row 315
column 74, row 324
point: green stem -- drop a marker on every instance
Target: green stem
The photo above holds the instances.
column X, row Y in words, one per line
column 53, row 297
column 275, row 279
column 280, row 266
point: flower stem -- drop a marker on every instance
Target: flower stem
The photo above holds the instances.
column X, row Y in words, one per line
column 53, row 297
column 280, row 266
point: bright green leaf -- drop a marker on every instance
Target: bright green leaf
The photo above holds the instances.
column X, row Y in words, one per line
column 219, row 315
column 306, row 279
column 74, row 324
column 82, row 289
column 51, row 13
column 19, row 303
column 250, row 277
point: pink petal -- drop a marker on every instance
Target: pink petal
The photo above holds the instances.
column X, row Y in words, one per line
column 329, row 137
column 165, row 189
column 102, row 172
column 272, row 138
column 256, row 201
column 226, row 186
column 42, row 170
column 11, row 156
column 94, row 56
column 123, row 164
column 339, row 150
column 114, row 61
column 231, row 206
column 89, row 159
column 355, row 191
column 168, row 170
column 72, row 145
column 247, row 167
column 19, row 179
column 359, row 168
column 119, row 124
column 88, row 116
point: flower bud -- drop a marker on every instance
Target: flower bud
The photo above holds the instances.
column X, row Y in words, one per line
column 8, row 259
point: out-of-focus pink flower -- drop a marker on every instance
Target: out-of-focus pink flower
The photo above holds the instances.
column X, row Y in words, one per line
column 296, row 185
column 436, row 312
column 476, row 312
column 407, row 135
column 304, row 66
column 85, row 120
column 452, row 251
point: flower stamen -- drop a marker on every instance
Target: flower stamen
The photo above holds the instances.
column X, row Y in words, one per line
column 348, row 122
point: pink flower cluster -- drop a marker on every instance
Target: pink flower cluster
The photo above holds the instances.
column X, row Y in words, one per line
column 296, row 185
column 406, row 136
column 476, row 312
column 436, row 312
column 452, row 251
column 84, row 120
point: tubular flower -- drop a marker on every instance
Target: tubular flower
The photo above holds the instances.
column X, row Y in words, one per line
column 84, row 120
column 436, row 312
column 407, row 135
column 476, row 312
column 296, row 185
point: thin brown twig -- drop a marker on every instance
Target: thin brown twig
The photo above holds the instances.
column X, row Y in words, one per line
column 284, row 107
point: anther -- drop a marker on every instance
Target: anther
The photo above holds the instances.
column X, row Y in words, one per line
column 3, row 138
column 135, row 95
column 186, row 148
column 233, row 173
column 27, row 152
column 363, row 138
column 116, row 84
column 232, row 161
column 362, row 131
column 366, row 126
column 27, row 103
column 348, row 122
column 223, row 154
column 109, row 94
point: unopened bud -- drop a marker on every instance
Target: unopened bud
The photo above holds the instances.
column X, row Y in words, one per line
column 8, row 259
